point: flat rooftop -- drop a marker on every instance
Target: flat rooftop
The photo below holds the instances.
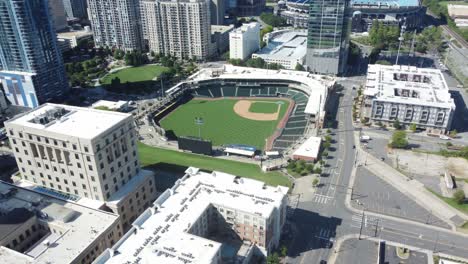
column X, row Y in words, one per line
column 408, row 85
column 81, row 226
column 69, row 120
column 288, row 45
column 160, row 235
column 310, row 148
column 72, row 34
column 387, row 3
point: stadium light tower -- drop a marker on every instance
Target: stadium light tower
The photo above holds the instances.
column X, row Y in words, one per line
column 401, row 38
column 199, row 122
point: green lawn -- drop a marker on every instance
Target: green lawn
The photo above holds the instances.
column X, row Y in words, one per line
column 153, row 156
column 221, row 124
column 135, row 74
column 264, row 107
column 451, row 202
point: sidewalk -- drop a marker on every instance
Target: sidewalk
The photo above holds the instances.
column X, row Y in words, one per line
column 412, row 188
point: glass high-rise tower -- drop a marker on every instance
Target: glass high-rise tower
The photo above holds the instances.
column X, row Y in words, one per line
column 328, row 34
column 31, row 65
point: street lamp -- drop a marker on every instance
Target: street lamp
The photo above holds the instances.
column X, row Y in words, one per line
column 199, row 122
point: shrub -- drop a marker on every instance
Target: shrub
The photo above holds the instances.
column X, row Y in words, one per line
column 399, row 139
column 459, row 197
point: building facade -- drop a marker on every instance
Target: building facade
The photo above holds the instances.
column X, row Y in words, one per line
column 244, row 41
column 85, row 153
column 178, row 28
column 116, row 23
column 328, row 37
column 189, row 222
column 250, row 7
column 31, row 65
column 410, row 95
column 75, row 8
column 217, row 9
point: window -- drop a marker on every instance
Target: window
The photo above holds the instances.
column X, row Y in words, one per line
column 26, row 152
column 92, row 178
column 68, row 189
column 84, row 186
column 74, row 147
column 65, row 181
column 107, row 195
column 55, row 168
column 20, row 135
column 81, row 176
column 78, row 165
column 114, row 179
column 63, row 171
column 95, row 189
column 64, row 144
column 88, row 158
column 103, row 176
column 74, row 183
column 72, row 173
column 106, row 187
column 51, row 185
column 90, row 167
column 41, row 175
column 101, row 166
column 55, row 142
column 48, row 177
column 29, row 163
column 76, row 156
column 86, row 149
column 76, row 192
column 57, row 179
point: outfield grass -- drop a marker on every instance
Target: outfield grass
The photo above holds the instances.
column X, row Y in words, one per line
column 264, row 107
column 221, row 124
column 153, row 156
column 135, row 74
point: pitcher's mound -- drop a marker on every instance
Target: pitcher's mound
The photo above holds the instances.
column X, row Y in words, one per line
column 242, row 109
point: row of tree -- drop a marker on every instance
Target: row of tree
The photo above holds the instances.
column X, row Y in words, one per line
column 273, row 20
column 256, row 63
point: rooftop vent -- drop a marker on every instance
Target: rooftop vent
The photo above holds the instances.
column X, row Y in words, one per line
column 50, row 116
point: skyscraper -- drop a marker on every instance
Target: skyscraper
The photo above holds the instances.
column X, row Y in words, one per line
column 31, row 66
column 116, row 23
column 75, row 8
column 58, row 14
column 327, row 42
column 217, row 9
column 178, row 28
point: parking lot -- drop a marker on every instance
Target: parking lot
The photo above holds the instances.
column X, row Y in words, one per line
column 373, row 194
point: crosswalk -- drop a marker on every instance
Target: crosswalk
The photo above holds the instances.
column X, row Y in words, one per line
column 359, row 220
column 293, row 201
column 325, row 234
column 321, row 199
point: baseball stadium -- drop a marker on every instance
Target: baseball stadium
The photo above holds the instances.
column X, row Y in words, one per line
column 244, row 108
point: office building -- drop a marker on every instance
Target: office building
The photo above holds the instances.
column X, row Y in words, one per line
column 41, row 229
column 57, row 11
column 249, row 7
column 410, row 95
column 284, row 47
column 220, row 38
column 116, row 23
column 244, row 41
column 86, row 153
column 217, row 9
column 178, row 28
column 190, row 222
column 328, row 37
column 75, row 8
column 31, row 66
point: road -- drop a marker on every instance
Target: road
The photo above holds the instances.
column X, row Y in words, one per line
column 319, row 221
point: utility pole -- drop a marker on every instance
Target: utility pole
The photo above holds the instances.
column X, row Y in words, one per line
column 199, row 122
column 362, row 222
column 401, row 38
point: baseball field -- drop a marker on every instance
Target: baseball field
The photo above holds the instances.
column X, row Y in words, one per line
column 228, row 121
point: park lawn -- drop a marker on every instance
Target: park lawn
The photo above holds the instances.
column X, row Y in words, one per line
column 264, row 107
column 152, row 156
column 135, row 74
column 221, row 124
column 451, row 202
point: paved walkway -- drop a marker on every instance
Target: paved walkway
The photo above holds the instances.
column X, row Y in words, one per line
column 412, row 188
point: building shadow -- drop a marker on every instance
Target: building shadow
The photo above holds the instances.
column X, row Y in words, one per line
column 312, row 231
column 460, row 119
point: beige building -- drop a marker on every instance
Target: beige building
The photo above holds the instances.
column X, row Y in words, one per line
column 178, row 28
column 37, row 228
column 190, row 222
column 88, row 154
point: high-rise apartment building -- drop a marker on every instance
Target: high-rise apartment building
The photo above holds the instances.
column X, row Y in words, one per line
column 116, row 23
column 328, row 33
column 31, row 66
column 86, row 153
column 58, row 14
column 180, row 28
column 244, row 41
column 75, row 8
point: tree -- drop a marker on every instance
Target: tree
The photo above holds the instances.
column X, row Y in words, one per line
column 299, row 67
column 413, row 127
column 318, row 170
column 272, row 20
column 255, row 63
column 397, row 124
column 399, row 139
column 119, row 54
column 315, row 182
column 284, row 251
column 453, row 133
column 383, row 62
column 273, row 259
column 459, row 197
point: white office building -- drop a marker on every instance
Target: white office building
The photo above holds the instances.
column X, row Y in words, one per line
column 244, row 41
column 412, row 95
column 116, row 23
column 180, row 28
column 190, row 222
column 89, row 154
column 284, row 47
